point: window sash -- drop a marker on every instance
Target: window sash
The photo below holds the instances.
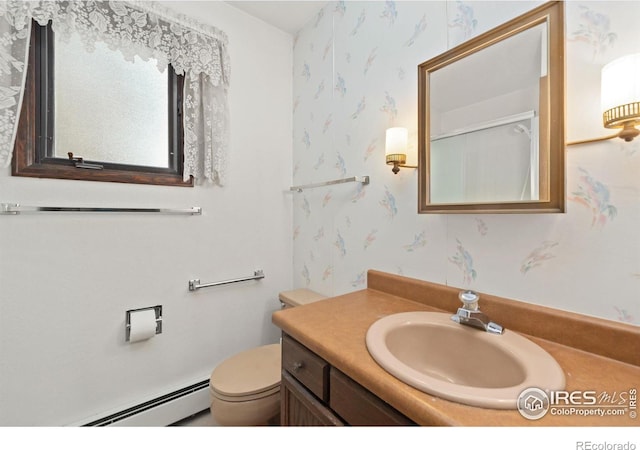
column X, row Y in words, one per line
column 34, row 142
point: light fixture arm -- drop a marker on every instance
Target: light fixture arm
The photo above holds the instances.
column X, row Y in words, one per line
column 397, row 165
column 398, row 160
column 588, row 141
column 628, row 133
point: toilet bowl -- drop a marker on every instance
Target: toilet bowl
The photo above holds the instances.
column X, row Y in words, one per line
column 245, row 388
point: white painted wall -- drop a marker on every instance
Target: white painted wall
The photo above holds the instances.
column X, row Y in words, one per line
column 67, row 280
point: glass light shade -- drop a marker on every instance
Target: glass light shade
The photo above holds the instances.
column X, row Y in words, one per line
column 396, row 141
column 620, row 87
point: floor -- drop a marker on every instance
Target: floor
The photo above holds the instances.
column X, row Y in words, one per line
column 202, row 419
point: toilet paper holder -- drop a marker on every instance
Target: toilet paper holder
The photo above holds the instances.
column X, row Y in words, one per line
column 158, row 311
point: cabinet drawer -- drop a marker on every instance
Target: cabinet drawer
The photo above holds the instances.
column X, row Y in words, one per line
column 357, row 406
column 300, row 408
column 305, row 366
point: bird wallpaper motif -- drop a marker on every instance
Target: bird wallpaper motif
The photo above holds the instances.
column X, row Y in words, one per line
column 355, row 75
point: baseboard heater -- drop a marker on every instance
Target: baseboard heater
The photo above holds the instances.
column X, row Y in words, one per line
column 160, row 411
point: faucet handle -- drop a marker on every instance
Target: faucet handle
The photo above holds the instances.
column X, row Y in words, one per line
column 469, row 299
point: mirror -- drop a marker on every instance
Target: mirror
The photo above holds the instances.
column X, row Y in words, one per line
column 491, row 120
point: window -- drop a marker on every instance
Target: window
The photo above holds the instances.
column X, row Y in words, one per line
column 94, row 116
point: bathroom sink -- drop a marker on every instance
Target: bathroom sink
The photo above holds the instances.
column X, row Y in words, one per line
column 433, row 354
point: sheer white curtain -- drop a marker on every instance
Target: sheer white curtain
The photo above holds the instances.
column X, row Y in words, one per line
column 134, row 28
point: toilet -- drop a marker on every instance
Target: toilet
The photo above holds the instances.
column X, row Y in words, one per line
column 245, row 388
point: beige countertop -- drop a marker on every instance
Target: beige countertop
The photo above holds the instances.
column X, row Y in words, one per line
column 335, row 329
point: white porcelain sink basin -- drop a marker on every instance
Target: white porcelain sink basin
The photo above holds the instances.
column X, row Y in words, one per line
column 432, row 353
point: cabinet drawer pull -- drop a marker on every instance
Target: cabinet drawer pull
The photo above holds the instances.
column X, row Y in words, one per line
column 297, row 366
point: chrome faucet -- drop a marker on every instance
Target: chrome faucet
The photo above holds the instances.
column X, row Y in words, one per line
column 471, row 316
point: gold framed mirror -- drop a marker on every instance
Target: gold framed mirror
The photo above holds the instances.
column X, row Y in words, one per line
column 491, row 120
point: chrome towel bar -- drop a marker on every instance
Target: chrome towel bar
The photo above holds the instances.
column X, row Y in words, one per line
column 16, row 208
column 194, row 285
column 363, row 179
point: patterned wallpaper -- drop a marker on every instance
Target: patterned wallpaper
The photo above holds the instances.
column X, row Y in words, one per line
column 355, row 74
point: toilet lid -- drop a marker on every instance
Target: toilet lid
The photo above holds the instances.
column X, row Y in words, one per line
column 249, row 372
column 298, row 297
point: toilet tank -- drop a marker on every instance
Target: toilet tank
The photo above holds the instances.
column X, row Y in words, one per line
column 299, row 297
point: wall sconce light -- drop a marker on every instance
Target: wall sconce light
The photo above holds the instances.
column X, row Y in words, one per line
column 620, row 98
column 396, row 148
column 621, row 95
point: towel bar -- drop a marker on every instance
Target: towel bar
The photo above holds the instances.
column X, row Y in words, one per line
column 194, row 285
column 364, row 180
column 16, row 208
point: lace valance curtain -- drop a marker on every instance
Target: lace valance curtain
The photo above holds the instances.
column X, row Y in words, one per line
column 134, row 28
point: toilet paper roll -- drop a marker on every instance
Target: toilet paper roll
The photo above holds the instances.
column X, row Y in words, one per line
column 142, row 325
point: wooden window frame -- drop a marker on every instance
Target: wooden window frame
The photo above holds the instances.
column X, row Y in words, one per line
column 33, row 152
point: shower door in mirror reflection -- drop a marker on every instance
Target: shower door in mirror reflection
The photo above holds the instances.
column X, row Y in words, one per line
column 498, row 163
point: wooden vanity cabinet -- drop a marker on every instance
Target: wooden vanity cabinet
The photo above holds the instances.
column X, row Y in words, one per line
column 313, row 393
column 299, row 407
column 304, row 389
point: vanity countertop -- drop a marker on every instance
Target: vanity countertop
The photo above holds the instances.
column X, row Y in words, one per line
column 335, row 329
